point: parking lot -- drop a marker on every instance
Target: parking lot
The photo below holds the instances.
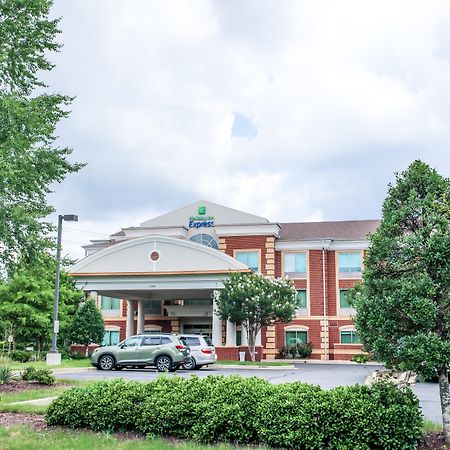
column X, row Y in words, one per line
column 325, row 375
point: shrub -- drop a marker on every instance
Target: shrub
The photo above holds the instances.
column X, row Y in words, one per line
column 6, row 375
column 77, row 355
column 282, row 351
column 42, row 376
column 247, row 411
column 20, row 355
column 360, row 358
column 304, row 349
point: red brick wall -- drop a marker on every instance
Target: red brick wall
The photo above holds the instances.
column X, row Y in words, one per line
column 316, row 282
column 247, row 242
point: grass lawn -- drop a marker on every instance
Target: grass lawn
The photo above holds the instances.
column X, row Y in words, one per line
column 70, row 363
column 253, row 363
column 33, row 394
column 23, row 438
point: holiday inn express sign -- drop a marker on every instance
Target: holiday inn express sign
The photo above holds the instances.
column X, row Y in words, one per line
column 201, row 220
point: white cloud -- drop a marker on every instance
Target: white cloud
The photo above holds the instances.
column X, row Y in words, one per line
column 342, row 95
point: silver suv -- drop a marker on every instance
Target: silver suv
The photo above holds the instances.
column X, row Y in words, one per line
column 203, row 352
column 164, row 351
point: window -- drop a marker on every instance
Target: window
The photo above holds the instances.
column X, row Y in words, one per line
column 195, row 328
column 166, row 340
column 110, row 303
column 205, row 239
column 295, row 265
column 302, row 302
column 200, row 301
column 350, row 262
column 250, row 259
column 343, row 301
column 152, row 307
column 132, row 342
column 191, row 341
column 349, row 337
column 296, row 336
column 238, row 338
column 111, row 338
column 152, row 340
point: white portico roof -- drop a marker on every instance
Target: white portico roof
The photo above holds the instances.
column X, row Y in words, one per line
column 156, row 255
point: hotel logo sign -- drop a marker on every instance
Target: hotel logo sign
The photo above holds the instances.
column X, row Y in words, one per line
column 201, row 220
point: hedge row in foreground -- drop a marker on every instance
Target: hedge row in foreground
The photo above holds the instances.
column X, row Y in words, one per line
column 247, row 410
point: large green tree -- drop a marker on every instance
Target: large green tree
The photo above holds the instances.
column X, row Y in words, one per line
column 30, row 159
column 403, row 302
column 88, row 326
column 26, row 302
column 255, row 301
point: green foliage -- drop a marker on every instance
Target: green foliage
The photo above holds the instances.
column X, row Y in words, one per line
column 42, row 376
column 77, row 355
column 403, row 303
column 6, row 375
column 88, row 326
column 360, row 358
column 247, row 411
column 30, row 160
column 256, row 301
column 27, row 302
column 20, row 355
column 300, row 350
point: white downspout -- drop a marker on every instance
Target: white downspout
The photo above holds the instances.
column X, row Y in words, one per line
column 325, row 314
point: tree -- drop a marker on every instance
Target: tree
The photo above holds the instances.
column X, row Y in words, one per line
column 255, row 301
column 87, row 326
column 30, row 160
column 26, row 302
column 403, row 302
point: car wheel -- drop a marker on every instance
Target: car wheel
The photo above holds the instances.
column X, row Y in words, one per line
column 106, row 362
column 189, row 364
column 163, row 364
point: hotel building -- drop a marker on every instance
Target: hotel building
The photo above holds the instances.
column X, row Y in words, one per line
column 160, row 276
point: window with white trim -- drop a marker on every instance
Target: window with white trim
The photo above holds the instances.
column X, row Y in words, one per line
column 349, row 262
column 295, row 265
column 111, row 337
column 343, row 300
column 349, row 337
column 295, row 337
column 302, row 299
column 250, row 259
column 110, row 303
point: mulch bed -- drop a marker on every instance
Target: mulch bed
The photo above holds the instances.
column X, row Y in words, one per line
column 434, row 441
column 19, row 386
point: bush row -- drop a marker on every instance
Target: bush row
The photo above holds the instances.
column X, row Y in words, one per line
column 247, row 411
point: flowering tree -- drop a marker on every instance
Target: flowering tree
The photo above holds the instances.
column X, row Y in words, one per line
column 255, row 301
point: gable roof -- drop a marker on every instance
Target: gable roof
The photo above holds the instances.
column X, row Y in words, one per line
column 337, row 230
column 222, row 216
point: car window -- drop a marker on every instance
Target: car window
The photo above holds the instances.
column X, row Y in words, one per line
column 192, row 341
column 166, row 340
column 208, row 341
column 152, row 340
column 132, row 342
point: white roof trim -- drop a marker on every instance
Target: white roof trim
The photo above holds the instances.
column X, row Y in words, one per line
column 319, row 244
column 270, row 229
column 222, row 258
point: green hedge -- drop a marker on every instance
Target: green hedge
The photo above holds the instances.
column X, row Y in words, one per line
column 247, row 411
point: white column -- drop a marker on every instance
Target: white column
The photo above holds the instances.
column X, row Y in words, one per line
column 130, row 318
column 216, row 327
column 141, row 317
column 231, row 334
column 94, row 296
column 258, row 339
column 244, row 340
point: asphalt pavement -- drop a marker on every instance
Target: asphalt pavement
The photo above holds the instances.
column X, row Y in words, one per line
column 325, row 375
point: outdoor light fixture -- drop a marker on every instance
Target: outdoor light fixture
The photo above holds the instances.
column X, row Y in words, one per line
column 53, row 357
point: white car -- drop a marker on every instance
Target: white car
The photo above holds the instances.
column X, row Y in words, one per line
column 203, row 352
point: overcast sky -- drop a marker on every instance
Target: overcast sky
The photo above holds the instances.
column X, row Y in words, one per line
column 292, row 110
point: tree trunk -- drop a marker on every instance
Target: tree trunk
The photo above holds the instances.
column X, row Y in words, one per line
column 87, row 350
column 445, row 403
column 252, row 331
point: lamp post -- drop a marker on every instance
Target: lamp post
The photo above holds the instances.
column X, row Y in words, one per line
column 53, row 357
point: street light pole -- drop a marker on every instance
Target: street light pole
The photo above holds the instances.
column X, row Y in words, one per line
column 53, row 357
